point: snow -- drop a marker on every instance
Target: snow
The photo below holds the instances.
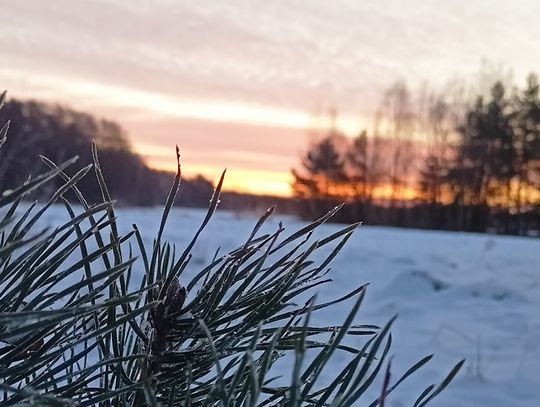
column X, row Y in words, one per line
column 458, row 295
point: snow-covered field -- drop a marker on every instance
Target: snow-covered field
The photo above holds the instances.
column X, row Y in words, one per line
column 457, row 295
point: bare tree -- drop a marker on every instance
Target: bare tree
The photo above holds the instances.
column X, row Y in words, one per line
column 396, row 123
column 435, row 124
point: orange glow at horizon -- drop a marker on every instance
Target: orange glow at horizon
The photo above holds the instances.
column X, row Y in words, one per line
column 248, row 181
column 257, row 182
column 406, row 193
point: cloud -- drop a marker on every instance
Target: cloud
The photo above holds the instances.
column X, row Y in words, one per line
column 287, row 55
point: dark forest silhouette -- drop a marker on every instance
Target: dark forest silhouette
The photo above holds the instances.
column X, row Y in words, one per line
column 60, row 133
column 468, row 166
column 434, row 161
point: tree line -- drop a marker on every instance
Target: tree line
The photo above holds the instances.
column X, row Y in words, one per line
column 437, row 160
column 60, row 133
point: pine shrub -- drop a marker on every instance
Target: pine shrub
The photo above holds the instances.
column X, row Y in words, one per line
column 80, row 326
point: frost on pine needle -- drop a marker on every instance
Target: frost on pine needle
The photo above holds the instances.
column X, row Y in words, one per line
column 90, row 316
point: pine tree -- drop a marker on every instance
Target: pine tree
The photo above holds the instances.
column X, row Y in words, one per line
column 357, row 161
column 526, row 124
column 324, row 169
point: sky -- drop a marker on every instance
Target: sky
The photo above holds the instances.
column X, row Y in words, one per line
column 242, row 84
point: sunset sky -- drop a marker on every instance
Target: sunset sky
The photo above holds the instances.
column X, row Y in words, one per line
column 238, row 84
